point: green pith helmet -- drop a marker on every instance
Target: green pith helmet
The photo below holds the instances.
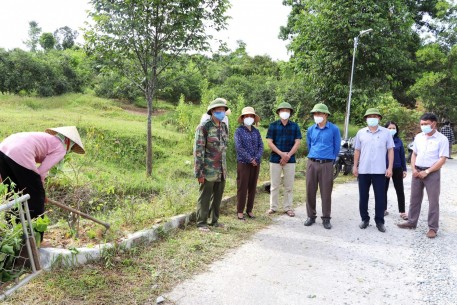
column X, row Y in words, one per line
column 285, row 105
column 372, row 111
column 320, row 108
column 219, row 102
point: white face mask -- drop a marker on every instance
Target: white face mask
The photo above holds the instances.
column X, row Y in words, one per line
column 372, row 122
column 248, row 121
column 426, row 128
column 284, row 115
column 318, row 119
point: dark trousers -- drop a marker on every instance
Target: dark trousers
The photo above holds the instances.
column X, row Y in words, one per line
column 25, row 180
column 246, row 182
column 209, row 202
column 379, row 184
column 397, row 178
column 319, row 175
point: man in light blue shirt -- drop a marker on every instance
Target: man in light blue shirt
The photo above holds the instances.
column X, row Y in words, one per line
column 371, row 145
column 323, row 140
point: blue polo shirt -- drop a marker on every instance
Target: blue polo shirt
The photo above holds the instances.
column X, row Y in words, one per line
column 323, row 143
column 283, row 137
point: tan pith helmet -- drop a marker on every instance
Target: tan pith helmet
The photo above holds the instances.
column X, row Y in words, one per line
column 69, row 132
column 248, row 110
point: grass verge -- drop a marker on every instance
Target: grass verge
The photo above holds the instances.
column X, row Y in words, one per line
column 141, row 274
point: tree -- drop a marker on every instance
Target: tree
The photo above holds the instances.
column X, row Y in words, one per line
column 141, row 38
column 437, row 84
column 47, row 41
column 65, row 38
column 34, row 36
column 322, row 34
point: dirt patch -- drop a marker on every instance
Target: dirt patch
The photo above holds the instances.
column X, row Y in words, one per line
column 139, row 110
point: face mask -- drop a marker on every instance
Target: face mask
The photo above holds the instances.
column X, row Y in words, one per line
column 284, row 115
column 426, row 128
column 372, row 122
column 318, row 119
column 248, row 121
column 220, row 115
column 393, row 132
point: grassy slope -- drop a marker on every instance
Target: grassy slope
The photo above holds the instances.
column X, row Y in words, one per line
column 110, row 178
column 141, row 274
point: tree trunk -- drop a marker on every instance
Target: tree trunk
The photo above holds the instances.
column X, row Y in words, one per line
column 149, row 97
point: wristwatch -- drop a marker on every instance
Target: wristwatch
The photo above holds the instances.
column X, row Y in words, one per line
column 427, row 171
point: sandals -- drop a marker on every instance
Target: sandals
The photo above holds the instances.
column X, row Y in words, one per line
column 270, row 211
column 290, row 213
column 250, row 215
column 240, row 218
column 404, row 216
column 204, row 229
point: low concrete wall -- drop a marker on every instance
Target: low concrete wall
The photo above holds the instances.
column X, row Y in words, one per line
column 81, row 256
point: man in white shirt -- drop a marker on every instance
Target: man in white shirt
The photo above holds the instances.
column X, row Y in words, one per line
column 430, row 151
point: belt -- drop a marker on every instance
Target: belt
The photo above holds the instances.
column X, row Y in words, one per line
column 320, row 160
column 422, row 168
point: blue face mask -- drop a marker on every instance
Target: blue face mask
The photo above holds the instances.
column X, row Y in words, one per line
column 426, row 128
column 372, row 122
column 393, row 132
column 220, row 115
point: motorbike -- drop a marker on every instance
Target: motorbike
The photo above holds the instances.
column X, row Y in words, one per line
column 345, row 160
column 410, row 152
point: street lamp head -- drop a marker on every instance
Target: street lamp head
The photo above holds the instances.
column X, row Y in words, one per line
column 364, row 32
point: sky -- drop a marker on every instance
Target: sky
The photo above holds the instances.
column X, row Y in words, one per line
column 256, row 22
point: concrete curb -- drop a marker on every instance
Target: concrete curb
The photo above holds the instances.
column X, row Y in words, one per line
column 80, row 256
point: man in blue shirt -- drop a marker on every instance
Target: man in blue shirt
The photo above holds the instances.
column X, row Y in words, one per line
column 371, row 145
column 283, row 137
column 324, row 141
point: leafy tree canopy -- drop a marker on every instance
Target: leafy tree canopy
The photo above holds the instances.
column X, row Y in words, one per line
column 322, row 37
column 141, row 38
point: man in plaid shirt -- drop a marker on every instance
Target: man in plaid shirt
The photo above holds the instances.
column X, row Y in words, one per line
column 447, row 131
column 283, row 138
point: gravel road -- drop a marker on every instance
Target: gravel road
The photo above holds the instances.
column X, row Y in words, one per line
column 288, row 263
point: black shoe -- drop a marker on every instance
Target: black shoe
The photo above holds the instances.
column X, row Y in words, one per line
column 327, row 224
column 381, row 227
column 364, row 224
column 309, row 221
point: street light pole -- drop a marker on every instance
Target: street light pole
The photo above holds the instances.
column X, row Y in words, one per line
column 348, row 106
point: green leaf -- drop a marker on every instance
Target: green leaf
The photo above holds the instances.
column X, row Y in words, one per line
column 41, row 224
column 8, row 249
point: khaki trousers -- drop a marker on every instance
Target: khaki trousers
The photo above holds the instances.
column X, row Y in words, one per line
column 432, row 185
column 289, row 176
column 319, row 175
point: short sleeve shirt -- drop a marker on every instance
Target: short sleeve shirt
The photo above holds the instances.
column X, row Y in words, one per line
column 283, row 137
column 373, row 147
column 430, row 149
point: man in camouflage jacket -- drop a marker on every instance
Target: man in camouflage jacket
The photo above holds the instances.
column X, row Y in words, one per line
column 210, row 164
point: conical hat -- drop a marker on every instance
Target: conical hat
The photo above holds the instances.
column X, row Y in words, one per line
column 72, row 133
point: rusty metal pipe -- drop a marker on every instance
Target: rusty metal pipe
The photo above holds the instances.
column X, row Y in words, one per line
column 65, row 207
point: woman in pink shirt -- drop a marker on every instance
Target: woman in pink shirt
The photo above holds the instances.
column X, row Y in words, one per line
column 26, row 158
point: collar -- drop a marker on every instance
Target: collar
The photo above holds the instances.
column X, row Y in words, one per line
column 367, row 129
column 279, row 122
column 325, row 126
